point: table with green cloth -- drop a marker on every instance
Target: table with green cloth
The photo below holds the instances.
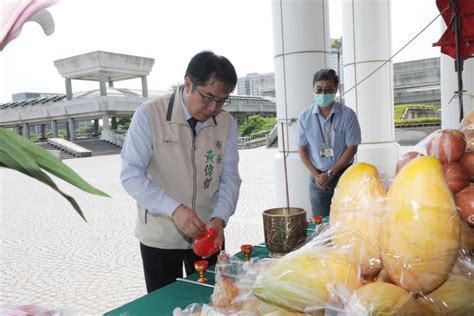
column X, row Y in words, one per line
column 182, row 293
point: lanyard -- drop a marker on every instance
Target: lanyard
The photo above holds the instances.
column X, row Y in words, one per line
column 328, row 144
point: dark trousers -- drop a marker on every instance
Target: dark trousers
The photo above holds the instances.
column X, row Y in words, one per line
column 163, row 266
column 320, row 199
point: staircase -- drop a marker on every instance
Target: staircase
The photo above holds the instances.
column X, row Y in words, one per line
column 98, row 148
column 63, row 154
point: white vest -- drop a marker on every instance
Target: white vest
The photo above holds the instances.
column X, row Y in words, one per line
column 186, row 168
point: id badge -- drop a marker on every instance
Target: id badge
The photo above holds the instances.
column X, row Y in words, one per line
column 326, row 152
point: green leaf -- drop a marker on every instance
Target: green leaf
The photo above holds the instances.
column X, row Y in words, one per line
column 26, row 157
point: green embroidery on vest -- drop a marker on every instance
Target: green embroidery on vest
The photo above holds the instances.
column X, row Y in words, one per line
column 219, row 159
column 206, row 183
column 209, row 156
column 209, row 168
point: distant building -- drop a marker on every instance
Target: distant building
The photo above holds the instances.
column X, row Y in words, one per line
column 257, row 84
column 22, row 96
column 337, row 65
column 417, row 81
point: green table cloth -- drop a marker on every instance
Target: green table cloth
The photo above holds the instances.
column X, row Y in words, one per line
column 181, row 293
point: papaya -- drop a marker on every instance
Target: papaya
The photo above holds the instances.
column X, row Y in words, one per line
column 420, row 233
column 382, row 298
column 455, row 298
column 300, row 279
column 356, row 210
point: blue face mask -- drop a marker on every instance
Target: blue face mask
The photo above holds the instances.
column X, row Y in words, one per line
column 324, row 100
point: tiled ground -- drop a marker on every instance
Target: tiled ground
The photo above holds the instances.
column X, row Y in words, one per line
column 50, row 256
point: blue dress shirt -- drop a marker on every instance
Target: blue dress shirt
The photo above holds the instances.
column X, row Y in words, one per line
column 345, row 131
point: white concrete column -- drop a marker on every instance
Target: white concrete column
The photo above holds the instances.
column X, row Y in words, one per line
column 68, row 89
column 449, row 84
column 301, row 46
column 144, row 87
column 366, row 35
column 26, row 130
column 105, row 122
column 103, row 84
column 72, row 129
column 54, row 128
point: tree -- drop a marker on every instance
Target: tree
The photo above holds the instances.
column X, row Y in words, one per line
column 336, row 43
column 255, row 123
column 123, row 124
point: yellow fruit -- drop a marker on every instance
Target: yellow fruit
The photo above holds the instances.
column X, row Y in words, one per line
column 455, row 298
column 355, row 215
column 300, row 279
column 381, row 298
column 419, row 237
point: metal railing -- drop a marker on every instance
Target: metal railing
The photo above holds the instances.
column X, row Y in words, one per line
column 272, row 136
column 112, row 137
column 245, row 139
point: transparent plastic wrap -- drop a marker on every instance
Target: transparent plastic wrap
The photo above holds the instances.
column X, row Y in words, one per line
column 382, row 251
column 420, row 231
column 453, row 297
column 400, row 250
column 356, row 210
column 300, row 280
column 451, row 148
column 37, row 310
column 467, row 127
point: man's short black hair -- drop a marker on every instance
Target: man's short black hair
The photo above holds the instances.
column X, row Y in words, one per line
column 206, row 65
column 326, row 75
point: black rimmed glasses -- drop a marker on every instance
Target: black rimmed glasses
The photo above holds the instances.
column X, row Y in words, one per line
column 325, row 91
column 208, row 100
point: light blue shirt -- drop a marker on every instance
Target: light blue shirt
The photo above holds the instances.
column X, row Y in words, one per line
column 137, row 153
column 345, row 131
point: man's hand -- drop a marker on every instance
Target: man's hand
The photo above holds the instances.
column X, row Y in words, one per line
column 188, row 221
column 322, row 180
column 218, row 224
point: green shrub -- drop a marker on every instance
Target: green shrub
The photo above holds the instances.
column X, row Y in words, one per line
column 418, row 121
column 255, row 123
column 400, row 108
column 123, row 124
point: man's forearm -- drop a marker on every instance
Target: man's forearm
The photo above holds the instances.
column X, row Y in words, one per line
column 303, row 151
column 345, row 158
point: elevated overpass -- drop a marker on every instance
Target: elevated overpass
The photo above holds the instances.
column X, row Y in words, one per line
column 92, row 106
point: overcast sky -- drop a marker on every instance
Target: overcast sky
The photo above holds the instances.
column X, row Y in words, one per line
column 171, row 32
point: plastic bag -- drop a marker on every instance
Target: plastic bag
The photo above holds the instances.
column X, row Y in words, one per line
column 37, row 310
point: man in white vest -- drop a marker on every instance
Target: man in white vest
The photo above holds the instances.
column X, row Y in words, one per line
column 180, row 163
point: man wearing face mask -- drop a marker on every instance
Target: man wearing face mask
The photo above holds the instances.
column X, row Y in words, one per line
column 180, row 163
column 329, row 134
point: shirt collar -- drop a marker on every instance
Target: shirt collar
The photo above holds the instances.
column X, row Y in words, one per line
column 186, row 113
column 336, row 108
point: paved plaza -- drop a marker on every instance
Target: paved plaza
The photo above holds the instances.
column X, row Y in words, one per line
column 49, row 256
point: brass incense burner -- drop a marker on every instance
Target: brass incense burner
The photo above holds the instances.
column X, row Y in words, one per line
column 284, row 228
